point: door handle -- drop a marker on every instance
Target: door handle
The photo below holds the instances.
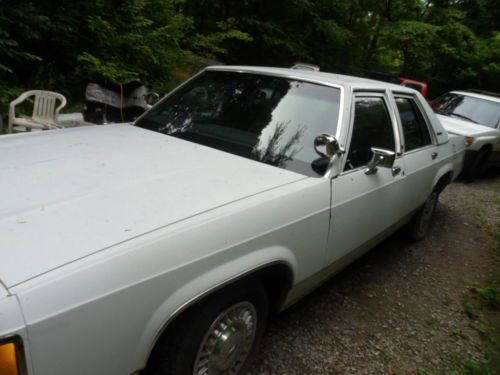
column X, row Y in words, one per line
column 434, row 155
column 396, row 170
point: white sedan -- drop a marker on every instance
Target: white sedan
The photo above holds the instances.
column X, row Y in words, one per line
column 163, row 246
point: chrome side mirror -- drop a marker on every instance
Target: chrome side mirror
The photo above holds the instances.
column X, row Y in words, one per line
column 381, row 158
column 326, row 145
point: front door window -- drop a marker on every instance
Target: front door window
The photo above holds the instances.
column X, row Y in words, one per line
column 372, row 127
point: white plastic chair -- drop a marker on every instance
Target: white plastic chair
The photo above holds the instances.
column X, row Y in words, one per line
column 44, row 115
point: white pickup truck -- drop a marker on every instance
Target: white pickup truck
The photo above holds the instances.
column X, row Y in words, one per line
column 475, row 115
column 161, row 247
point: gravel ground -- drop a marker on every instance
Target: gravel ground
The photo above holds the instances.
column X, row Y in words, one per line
column 399, row 309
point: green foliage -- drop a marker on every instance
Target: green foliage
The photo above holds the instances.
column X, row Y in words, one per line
column 211, row 45
column 424, row 371
column 449, row 44
column 490, row 296
column 17, row 22
column 488, row 367
column 412, row 41
column 7, row 94
column 459, row 333
column 432, row 320
column 137, row 40
column 470, row 309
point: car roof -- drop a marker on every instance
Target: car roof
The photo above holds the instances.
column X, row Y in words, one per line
column 352, row 82
column 476, row 95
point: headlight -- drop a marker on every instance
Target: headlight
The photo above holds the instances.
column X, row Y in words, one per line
column 469, row 141
column 12, row 356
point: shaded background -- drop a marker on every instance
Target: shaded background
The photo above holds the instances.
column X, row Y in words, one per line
column 63, row 45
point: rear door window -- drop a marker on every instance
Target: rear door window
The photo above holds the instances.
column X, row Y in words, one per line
column 415, row 129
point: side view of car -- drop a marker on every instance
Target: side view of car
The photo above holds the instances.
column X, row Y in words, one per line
column 162, row 247
column 475, row 115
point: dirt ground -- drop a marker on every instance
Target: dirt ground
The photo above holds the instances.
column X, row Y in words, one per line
column 400, row 308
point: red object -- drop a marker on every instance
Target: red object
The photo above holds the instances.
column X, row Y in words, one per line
column 416, row 85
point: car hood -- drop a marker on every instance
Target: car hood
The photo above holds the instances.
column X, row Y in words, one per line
column 69, row 193
column 464, row 127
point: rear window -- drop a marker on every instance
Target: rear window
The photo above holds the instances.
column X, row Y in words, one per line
column 269, row 119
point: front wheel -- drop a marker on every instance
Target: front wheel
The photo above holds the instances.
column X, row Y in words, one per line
column 477, row 167
column 219, row 336
column 420, row 223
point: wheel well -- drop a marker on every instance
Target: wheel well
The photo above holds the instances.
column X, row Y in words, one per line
column 488, row 148
column 277, row 280
column 444, row 181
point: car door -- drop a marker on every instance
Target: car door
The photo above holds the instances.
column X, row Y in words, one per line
column 365, row 206
column 420, row 151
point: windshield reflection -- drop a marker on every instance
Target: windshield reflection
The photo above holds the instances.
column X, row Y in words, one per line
column 274, row 149
column 269, row 119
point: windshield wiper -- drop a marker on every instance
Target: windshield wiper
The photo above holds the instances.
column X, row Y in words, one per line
column 462, row 116
column 439, row 111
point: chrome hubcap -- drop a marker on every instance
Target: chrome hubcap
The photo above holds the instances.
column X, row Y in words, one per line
column 228, row 341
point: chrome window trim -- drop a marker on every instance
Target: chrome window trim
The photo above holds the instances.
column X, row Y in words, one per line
column 419, row 149
column 384, row 94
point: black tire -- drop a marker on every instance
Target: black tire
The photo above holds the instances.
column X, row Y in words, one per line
column 177, row 352
column 420, row 222
column 477, row 168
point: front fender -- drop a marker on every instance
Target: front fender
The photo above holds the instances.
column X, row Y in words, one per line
column 446, row 168
column 206, row 283
column 480, row 142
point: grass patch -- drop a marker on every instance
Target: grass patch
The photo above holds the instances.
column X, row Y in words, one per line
column 432, row 320
column 424, row 371
column 488, row 367
column 469, row 308
column 489, row 296
column 483, row 298
column 491, row 364
column 457, row 332
column 496, row 243
column 387, row 357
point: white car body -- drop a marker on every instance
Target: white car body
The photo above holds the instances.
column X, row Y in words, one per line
column 480, row 137
column 108, row 233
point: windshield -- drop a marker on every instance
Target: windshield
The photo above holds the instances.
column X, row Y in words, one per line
column 269, row 119
column 470, row 108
